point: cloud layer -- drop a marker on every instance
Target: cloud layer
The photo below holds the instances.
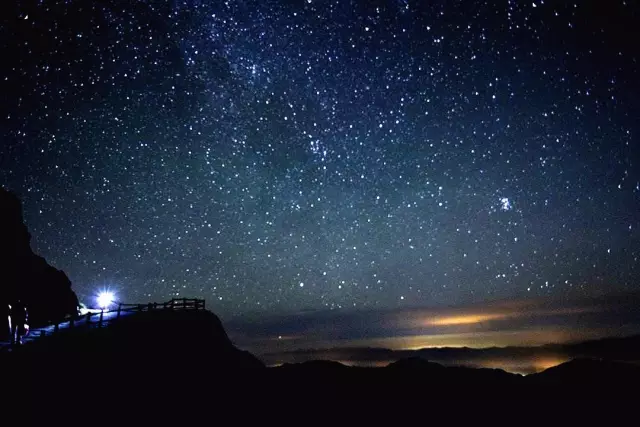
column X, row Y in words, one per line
column 534, row 322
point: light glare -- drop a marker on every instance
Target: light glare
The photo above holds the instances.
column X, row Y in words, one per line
column 105, row 299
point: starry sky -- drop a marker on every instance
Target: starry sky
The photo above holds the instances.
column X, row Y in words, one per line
column 283, row 156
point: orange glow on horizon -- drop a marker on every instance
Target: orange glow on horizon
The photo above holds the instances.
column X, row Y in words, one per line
column 475, row 339
column 548, row 362
column 467, row 319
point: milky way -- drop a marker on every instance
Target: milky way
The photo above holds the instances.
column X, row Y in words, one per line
column 276, row 156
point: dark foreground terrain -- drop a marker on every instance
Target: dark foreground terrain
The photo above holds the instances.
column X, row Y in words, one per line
column 161, row 362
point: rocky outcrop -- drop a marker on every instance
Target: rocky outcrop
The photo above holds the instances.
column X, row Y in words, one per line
column 26, row 276
column 160, row 353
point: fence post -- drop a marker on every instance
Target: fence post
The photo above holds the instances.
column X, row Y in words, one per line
column 119, row 310
column 155, row 305
column 56, row 328
column 101, row 318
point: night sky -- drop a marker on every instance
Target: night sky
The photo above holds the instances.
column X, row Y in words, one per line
column 280, row 156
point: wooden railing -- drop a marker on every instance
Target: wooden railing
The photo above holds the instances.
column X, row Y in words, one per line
column 174, row 304
column 101, row 318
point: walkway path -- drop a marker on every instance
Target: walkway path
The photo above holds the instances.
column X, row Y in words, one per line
column 99, row 319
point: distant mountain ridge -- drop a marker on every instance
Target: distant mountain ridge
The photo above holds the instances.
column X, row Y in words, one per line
column 619, row 349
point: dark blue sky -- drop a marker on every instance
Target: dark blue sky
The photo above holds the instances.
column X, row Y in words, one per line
column 276, row 156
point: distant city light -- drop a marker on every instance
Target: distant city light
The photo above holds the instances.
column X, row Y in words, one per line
column 105, row 299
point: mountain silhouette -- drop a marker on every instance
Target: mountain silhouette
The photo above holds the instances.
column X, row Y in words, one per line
column 523, row 360
column 149, row 362
column 143, row 358
column 45, row 290
column 146, row 342
column 592, row 374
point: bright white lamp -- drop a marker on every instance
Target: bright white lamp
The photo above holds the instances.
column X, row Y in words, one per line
column 105, row 299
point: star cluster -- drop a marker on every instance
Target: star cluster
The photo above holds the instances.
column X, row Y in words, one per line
column 287, row 155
